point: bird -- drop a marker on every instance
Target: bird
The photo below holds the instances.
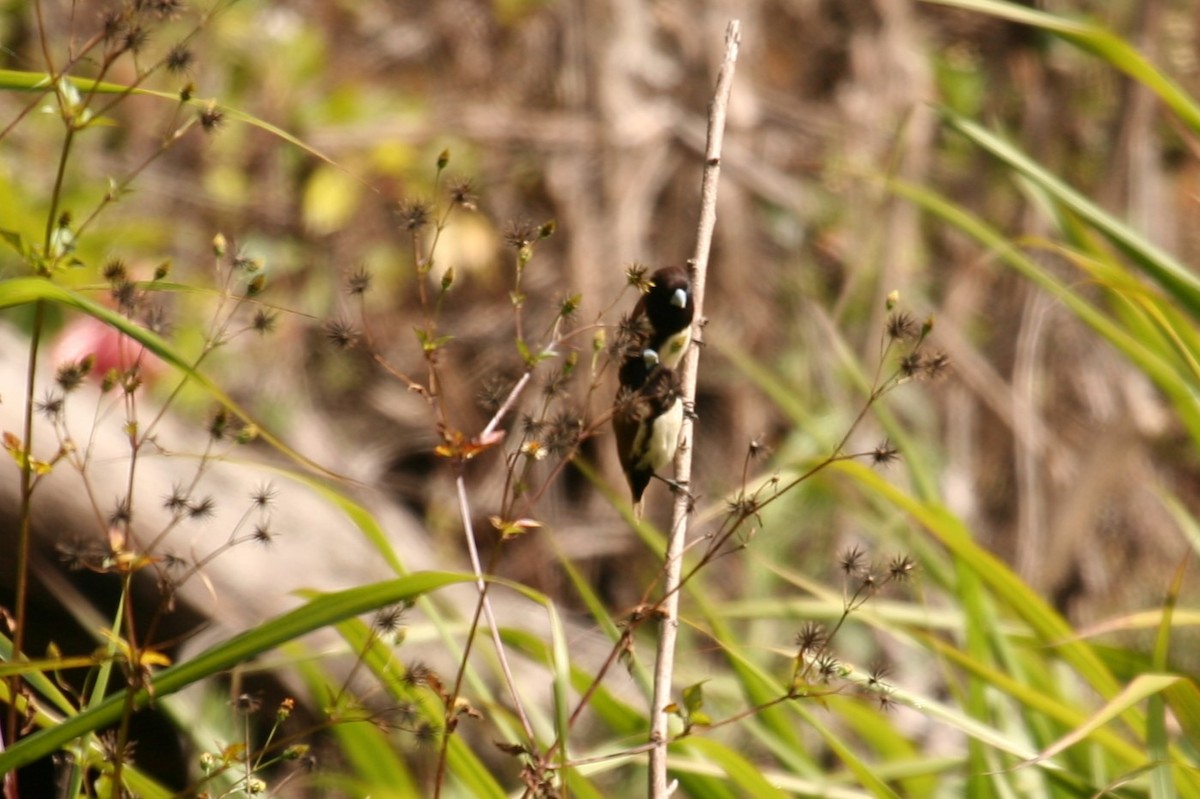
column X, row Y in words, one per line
column 664, row 315
column 647, row 416
column 648, row 409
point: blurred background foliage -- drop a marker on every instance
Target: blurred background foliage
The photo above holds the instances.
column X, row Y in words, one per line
column 1059, row 452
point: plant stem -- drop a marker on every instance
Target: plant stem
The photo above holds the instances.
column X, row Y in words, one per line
column 665, row 660
column 21, row 581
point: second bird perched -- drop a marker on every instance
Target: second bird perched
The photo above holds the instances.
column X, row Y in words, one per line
column 648, row 410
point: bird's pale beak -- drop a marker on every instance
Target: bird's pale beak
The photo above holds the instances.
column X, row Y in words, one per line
column 679, row 298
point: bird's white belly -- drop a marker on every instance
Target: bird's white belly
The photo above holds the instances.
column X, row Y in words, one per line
column 664, row 438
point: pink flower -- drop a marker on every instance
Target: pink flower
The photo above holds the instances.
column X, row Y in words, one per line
column 112, row 349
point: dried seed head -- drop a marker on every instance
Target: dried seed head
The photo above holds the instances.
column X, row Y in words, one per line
column 853, row 560
column 179, row 59
column 828, row 668
column 520, row 234
column 340, row 334
column 912, row 364
column 264, row 496
column 885, row 453
column 902, row 327
column 811, row 637
column 126, row 295
column 114, row 270
column 418, row 673
column 202, row 509
column 212, row 118
column 51, row 405
column 414, row 215
column 461, row 193
column 265, row 320
column 359, row 282
column 935, row 365
column 71, row 375
column 900, row 568
column 389, row 619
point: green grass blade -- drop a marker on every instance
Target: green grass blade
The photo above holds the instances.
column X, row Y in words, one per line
column 1049, row 627
column 321, row 612
column 1175, row 278
column 1163, row 373
column 18, row 80
column 740, row 771
column 1098, row 41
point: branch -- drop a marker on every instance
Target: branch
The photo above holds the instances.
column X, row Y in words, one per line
column 665, row 662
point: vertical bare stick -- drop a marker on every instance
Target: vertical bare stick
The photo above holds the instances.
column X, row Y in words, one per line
column 665, row 662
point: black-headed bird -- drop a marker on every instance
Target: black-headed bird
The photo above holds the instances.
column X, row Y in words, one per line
column 664, row 315
column 647, row 415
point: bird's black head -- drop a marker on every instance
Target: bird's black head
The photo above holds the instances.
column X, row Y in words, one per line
column 636, row 367
column 668, row 305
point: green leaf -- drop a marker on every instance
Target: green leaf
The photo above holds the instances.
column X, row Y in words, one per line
column 526, row 356
column 15, row 240
column 693, row 697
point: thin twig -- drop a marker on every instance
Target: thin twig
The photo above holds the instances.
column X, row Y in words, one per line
column 493, row 627
column 665, row 661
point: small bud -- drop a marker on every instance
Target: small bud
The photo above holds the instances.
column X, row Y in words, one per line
column 246, row 263
column 893, row 299
column 569, row 306
column 218, row 425
column 547, row 229
column 443, row 159
column 927, row 328
column 162, row 270
column 448, row 279
column 219, row 245
column 295, row 752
